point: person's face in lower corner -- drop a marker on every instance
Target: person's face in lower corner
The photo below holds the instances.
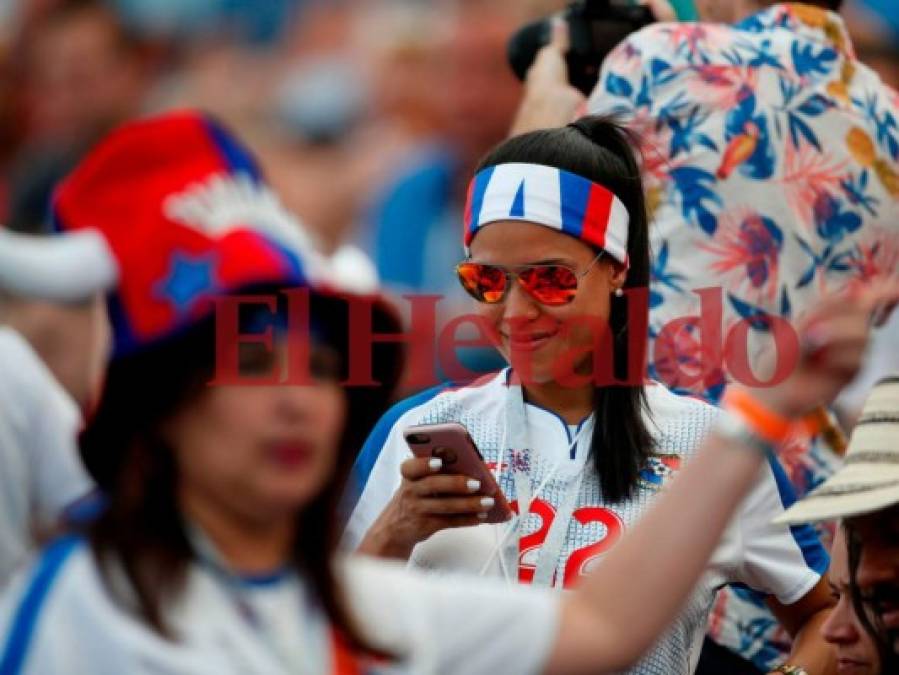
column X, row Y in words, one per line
column 857, row 652
column 878, row 571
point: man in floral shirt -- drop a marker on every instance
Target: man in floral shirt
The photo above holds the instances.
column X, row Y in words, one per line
column 771, row 164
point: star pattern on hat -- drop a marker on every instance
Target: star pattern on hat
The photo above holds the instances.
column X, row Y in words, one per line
column 189, row 278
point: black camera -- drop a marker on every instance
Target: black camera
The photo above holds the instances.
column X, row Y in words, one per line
column 595, row 27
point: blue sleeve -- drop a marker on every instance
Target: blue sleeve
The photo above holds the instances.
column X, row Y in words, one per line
column 814, row 553
column 25, row 618
column 373, row 445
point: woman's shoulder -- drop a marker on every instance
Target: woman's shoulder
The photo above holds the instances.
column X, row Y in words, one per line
column 56, row 589
column 678, row 422
column 665, row 402
column 59, row 565
column 448, row 401
column 60, row 616
column 64, row 569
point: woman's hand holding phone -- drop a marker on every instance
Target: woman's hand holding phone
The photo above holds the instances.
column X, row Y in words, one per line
column 426, row 502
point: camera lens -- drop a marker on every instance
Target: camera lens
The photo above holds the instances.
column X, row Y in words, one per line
column 418, row 439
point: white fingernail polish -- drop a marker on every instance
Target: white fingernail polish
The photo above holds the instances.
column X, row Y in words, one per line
column 435, row 463
column 473, row 485
column 487, row 502
column 482, row 516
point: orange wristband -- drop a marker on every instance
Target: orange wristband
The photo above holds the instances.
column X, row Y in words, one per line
column 769, row 425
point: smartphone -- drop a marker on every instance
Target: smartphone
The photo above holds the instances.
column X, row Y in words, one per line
column 452, row 443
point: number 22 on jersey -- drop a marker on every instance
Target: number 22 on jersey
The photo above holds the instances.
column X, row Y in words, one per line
column 529, row 545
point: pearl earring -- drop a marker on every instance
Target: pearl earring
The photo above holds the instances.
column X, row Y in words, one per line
column 619, row 293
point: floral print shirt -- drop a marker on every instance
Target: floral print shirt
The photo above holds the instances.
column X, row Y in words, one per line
column 771, row 166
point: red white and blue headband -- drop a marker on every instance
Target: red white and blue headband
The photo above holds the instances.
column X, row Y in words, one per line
column 548, row 196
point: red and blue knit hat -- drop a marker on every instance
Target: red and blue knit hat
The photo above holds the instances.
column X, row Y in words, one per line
column 164, row 214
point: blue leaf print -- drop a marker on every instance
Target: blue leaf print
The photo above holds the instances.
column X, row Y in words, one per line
column 644, row 97
column 807, row 62
column 788, row 90
column 805, row 246
column 885, row 124
column 708, row 221
column 812, row 269
column 663, row 256
column 753, row 24
column 815, row 105
column 732, row 57
column 661, row 72
column 692, row 184
column 886, row 137
column 757, row 318
column 807, row 276
column 686, row 134
column 829, row 260
column 673, row 109
column 762, row 56
column 619, row 86
column 660, row 275
column 763, row 162
column 856, row 191
column 799, row 128
column 831, row 222
column 741, row 121
column 785, row 308
column 841, row 262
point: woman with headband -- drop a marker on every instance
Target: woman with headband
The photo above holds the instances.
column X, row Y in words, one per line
column 557, row 260
column 213, row 552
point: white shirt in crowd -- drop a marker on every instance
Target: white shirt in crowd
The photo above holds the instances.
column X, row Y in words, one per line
column 65, row 622
column 773, row 559
column 40, row 471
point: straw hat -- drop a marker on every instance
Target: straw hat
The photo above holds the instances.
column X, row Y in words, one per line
column 869, row 478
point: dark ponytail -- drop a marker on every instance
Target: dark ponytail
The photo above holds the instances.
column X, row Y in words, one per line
column 602, row 151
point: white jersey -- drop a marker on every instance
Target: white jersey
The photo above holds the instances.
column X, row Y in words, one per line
column 775, row 560
column 59, row 619
column 40, row 471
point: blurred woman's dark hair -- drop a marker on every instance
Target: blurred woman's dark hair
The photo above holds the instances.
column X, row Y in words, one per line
column 871, row 622
column 140, row 527
column 604, row 152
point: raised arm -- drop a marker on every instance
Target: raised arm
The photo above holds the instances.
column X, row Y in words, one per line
column 619, row 611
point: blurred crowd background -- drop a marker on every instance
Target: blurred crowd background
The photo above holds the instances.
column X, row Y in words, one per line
column 367, row 114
